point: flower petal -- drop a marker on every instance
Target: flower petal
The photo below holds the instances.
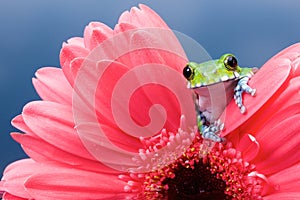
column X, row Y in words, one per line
column 58, row 182
column 53, row 123
column 43, row 152
column 77, row 41
column 67, row 183
column 122, row 27
column 19, row 123
column 76, row 64
column 52, row 85
column 249, row 147
column 95, row 33
column 68, row 53
column 15, row 175
column 286, row 104
column 7, row 196
column 287, row 180
column 88, row 89
column 102, row 148
column 140, row 101
column 283, row 196
column 143, row 17
column 296, row 67
column 282, row 141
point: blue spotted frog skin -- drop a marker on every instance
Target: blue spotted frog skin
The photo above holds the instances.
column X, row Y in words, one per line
column 206, row 79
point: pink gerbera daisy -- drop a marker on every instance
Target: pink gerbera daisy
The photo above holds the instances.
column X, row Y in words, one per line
column 116, row 122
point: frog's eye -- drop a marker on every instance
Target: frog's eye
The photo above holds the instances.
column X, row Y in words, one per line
column 188, row 72
column 230, row 62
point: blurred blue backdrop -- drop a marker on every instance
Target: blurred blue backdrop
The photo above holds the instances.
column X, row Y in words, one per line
column 32, row 32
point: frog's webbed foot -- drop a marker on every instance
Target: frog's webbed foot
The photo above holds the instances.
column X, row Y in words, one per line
column 212, row 131
column 242, row 86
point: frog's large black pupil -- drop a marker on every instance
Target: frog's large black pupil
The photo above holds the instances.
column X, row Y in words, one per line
column 187, row 72
column 232, row 62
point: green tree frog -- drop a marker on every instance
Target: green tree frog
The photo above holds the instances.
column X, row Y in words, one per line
column 215, row 83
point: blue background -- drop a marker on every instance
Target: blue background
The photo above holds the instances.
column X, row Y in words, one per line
column 32, row 32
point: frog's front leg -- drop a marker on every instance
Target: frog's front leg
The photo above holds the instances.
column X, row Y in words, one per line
column 242, row 86
column 211, row 131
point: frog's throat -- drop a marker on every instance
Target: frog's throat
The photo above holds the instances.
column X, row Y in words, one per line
column 213, row 99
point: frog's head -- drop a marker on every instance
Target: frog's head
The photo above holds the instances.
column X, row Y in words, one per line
column 211, row 72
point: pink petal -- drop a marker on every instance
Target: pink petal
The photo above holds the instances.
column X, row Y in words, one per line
column 95, row 33
column 143, row 17
column 76, row 64
column 269, row 121
column 121, row 139
column 43, row 152
column 68, row 53
column 143, row 46
column 110, row 77
column 77, row 41
column 286, row 104
column 140, row 101
column 102, row 148
column 14, row 177
column 287, row 180
column 122, row 27
column 8, row 196
column 52, row 85
column 155, row 46
column 249, row 147
column 10, row 170
column 279, row 146
column 31, row 180
column 85, row 87
column 54, row 123
column 68, row 183
column 296, row 67
column 283, row 196
column 112, row 74
column 18, row 122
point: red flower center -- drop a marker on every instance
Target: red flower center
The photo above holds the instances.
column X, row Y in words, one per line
column 195, row 183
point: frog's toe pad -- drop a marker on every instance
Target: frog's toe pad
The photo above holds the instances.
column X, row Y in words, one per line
column 253, row 92
column 243, row 109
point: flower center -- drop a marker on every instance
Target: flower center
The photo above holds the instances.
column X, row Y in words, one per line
column 195, row 183
column 189, row 177
column 220, row 174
